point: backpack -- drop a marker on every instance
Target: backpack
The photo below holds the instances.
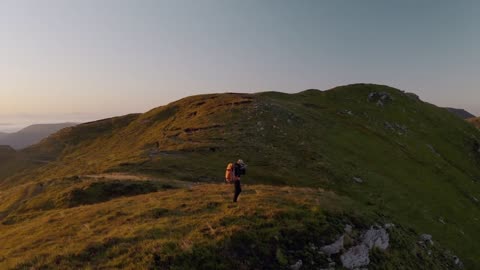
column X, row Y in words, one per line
column 243, row 169
column 229, row 174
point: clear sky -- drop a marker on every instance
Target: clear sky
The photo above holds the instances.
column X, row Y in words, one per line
column 82, row 60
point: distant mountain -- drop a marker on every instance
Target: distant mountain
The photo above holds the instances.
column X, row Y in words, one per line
column 31, row 134
column 460, row 113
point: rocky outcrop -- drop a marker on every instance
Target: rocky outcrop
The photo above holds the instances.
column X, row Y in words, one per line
column 426, row 238
column 334, row 248
column 380, row 98
column 358, row 255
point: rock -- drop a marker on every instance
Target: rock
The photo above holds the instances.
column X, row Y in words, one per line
column 433, row 149
column 333, row 248
column 376, row 238
column 426, row 238
column 395, row 127
column 412, row 96
column 297, row 266
column 379, row 98
column 389, row 226
column 348, row 228
column 457, row 262
column 358, row 179
column 356, row 256
column 440, row 219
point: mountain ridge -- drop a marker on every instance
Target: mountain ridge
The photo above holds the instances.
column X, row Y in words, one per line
column 462, row 113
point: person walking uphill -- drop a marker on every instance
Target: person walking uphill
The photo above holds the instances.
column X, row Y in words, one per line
column 233, row 174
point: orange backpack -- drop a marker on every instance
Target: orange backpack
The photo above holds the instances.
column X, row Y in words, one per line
column 229, row 173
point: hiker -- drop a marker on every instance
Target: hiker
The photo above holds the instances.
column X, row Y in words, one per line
column 233, row 174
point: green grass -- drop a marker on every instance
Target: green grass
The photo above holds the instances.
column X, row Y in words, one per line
column 199, row 228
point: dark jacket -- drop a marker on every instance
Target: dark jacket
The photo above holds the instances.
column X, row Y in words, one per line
column 239, row 170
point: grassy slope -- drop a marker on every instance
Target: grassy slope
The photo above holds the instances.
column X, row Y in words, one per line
column 261, row 232
column 417, row 161
column 475, row 121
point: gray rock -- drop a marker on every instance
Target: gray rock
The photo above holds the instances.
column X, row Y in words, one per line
column 379, row 98
column 389, row 226
column 297, row 266
column 356, row 256
column 358, row 179
column 457, row 262
column 433, row 149
column 378, row 238
column 348, row 228
column 334, row 248
column 426, row 238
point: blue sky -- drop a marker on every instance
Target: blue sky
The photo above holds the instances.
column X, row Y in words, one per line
column 82, row 60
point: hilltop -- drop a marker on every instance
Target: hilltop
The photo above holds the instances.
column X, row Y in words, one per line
column 461, row 113
column 379, row 151
column 31, row 134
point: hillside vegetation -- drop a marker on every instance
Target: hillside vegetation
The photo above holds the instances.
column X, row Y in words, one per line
column 461, row 113
column 388, row 154
column 475, row 121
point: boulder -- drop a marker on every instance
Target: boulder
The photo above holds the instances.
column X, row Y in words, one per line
column 376, row 238
column 334, row 248
column 358, row 255
column 355, row 257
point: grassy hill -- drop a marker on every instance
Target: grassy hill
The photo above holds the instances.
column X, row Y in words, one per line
column 389, row 155
column 461, row 113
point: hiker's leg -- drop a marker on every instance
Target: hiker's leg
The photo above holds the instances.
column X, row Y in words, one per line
column 238, row 189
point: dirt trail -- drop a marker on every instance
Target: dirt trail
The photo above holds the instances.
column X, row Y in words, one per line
column 137, row 177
